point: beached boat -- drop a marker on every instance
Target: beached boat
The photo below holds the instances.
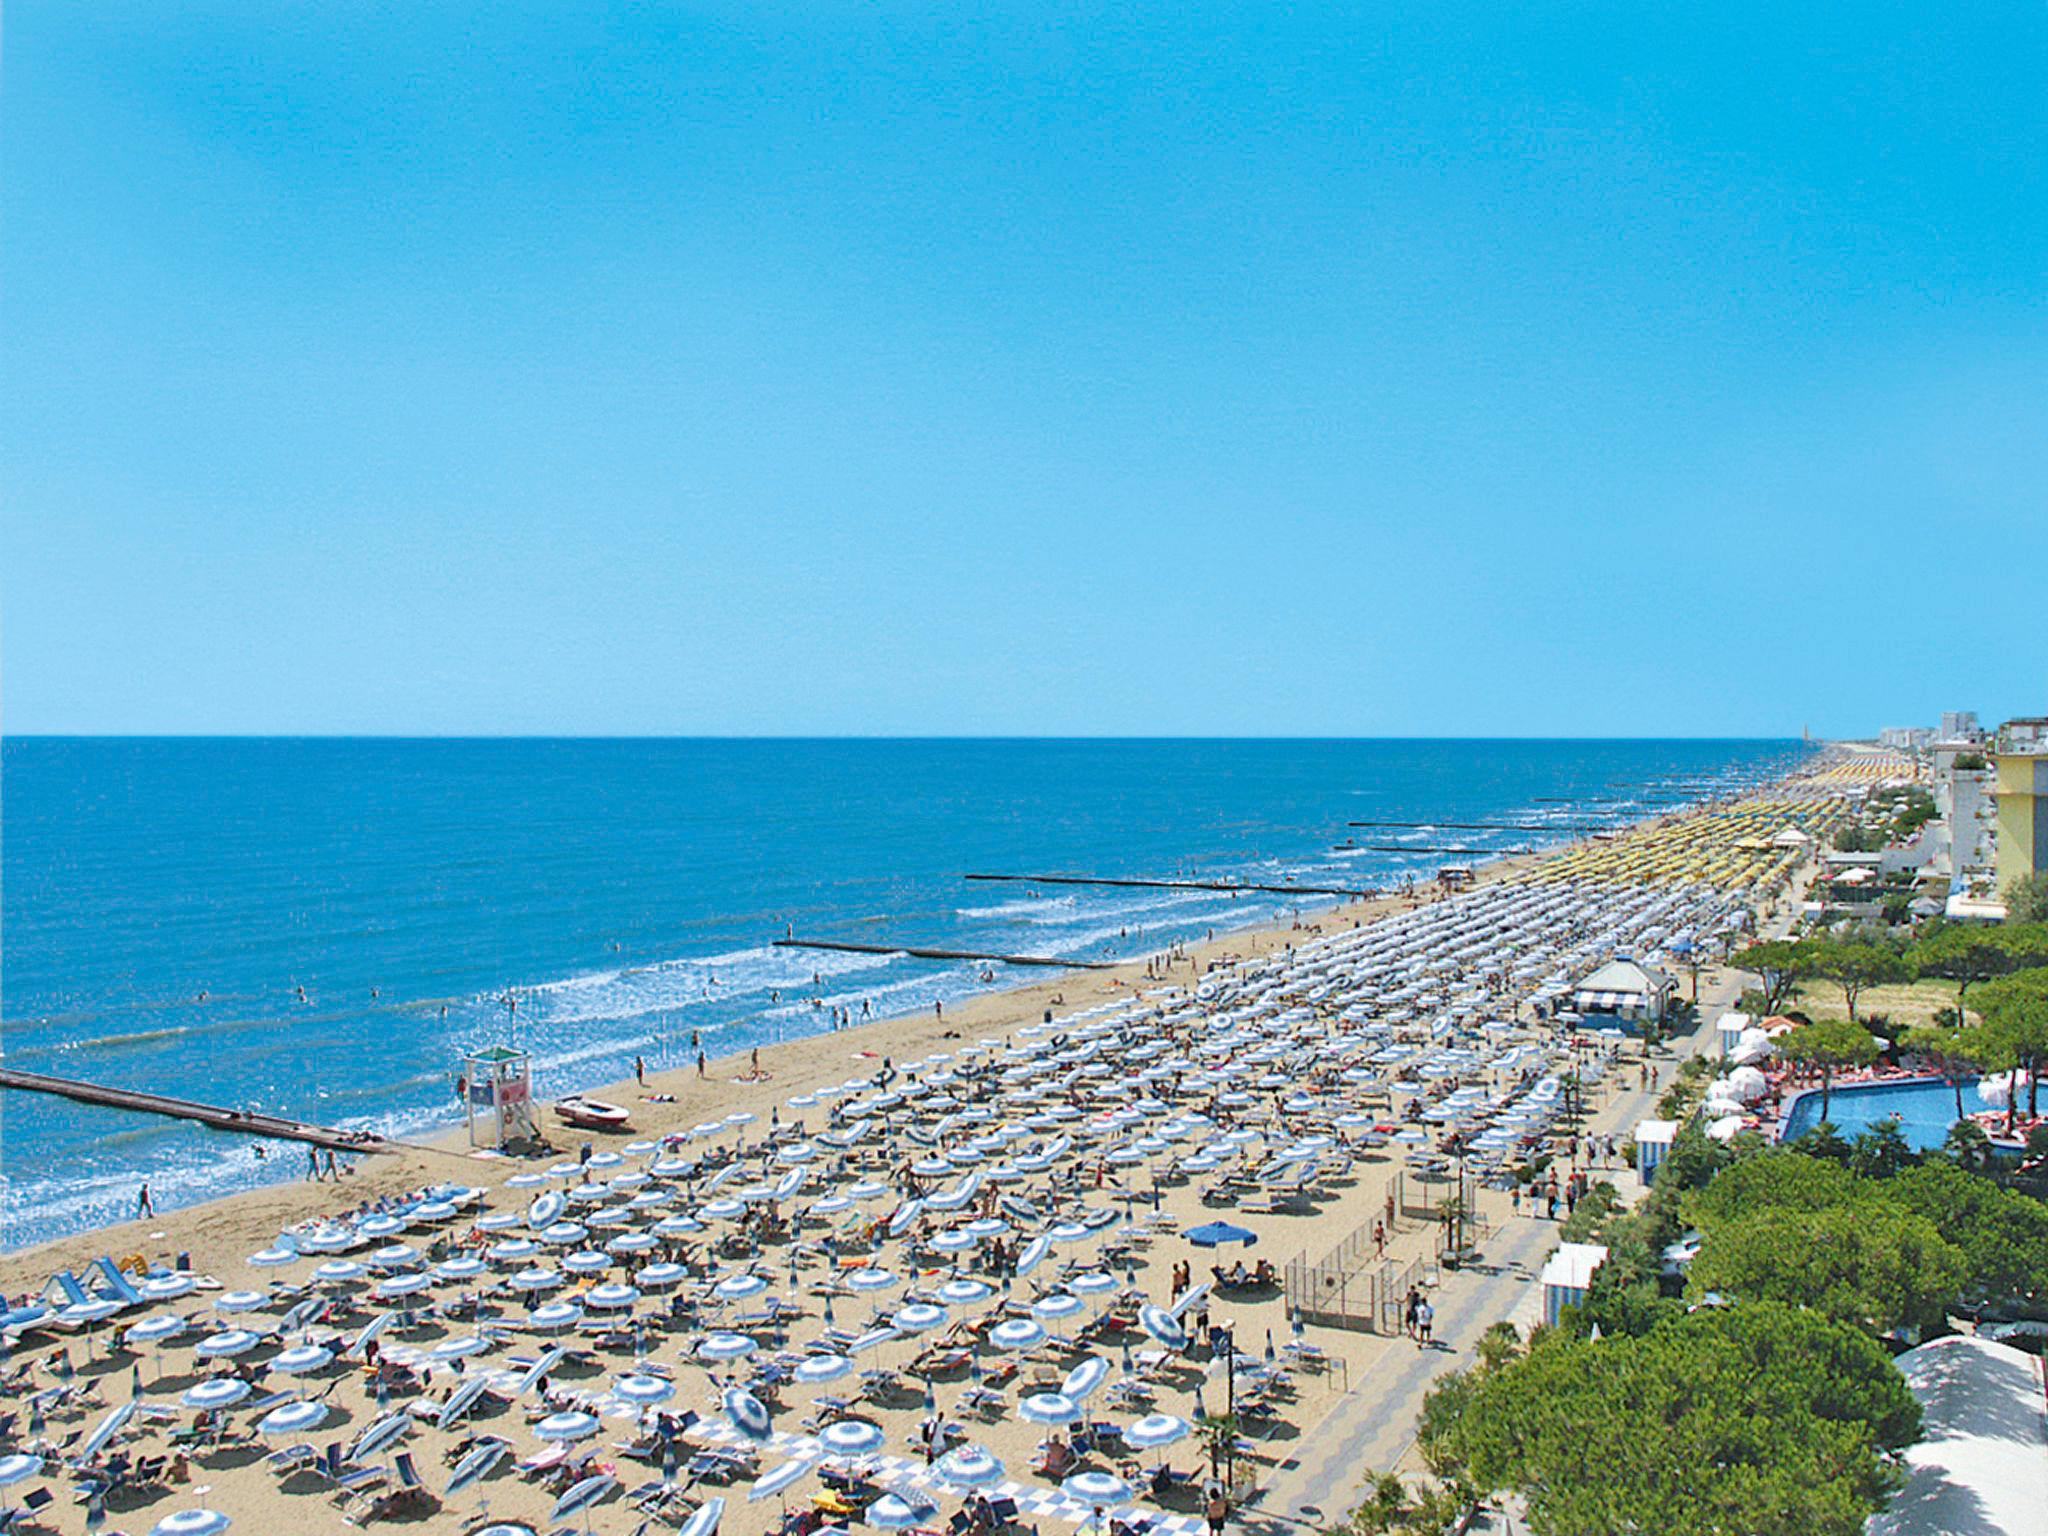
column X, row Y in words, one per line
column 590, row 1114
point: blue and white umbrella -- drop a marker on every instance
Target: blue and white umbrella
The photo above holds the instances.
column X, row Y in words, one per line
column 821, row 1368
column 919, row 1317
column 1049, row 1408
column 191, row 1522
column 583, row 1495
column 968, row 1467
column 586, row 1261
column 156, row 1330
column 1017, row 1333
column 704, row 1521
column 269, row 1258
column 1160, row 1324
column 171, row 1287
column 899, row 1512
column 556, row 1314
column 1085, row 1378
column 293, row 1418
column 216, row 1392
column 782, row 1478
column 643, row 1391
column 964, row 1292
column 19, row 1468
column 739, row 1287
column 660, row 1276
column 865, row 1280
column 852, row 1437
column 611, row 1297
column 460, row 1347
column 1098, row 1488
column 725, row 1346
column 461, row 1270
column 748, row 1414
column 1033, row 1254
column 567, row 1426
column 386, row 1431
column 302, row 1359
column 872, row 1338
column 1057, row 1308
column 241, row 1301
column 226, row 1345
column 1156, row 1431
column 403, row 1285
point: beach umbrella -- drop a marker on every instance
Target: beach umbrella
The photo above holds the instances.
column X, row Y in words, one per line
column 1093, row 1284
column 383, row 1432
column 1085, row 1378
column 240, row 1301
column 643, row 1391
column 567, row 1426
column 963, row 1292
column 171, row 1287
column 586, row 1262
column 461, row 1269
column 739, row 1287
column 402, row 1285
column 1033, row 1253
column 339, row 1272
column 535, row 1279
column 725, row 1346
column 191, row 1522
column 226, row 1345
column 852, row 1437
column 1049, row 1408
column 872, row 1338
column 1217, row 1233
column 822, row 1367
column 659, row 1276
column 156, row 1330
column 476, row 1466
column 216, row 1392
column 899, row 1512
column 968, row 1467
column 293, row 1418
column 583, row 1495
column 747, row 1413
column 1016, row 1333
column 919, row 1317
column 556, row 1314
column 704, row 1520
column 867, row 1280
column 1156, row 1431
column 1056, row 1308
column 460, row 1347
column 1161, row 1325
column 104, row 1431
column 782, row 1478
column 19, row 1468
column 1097, row 1488
column 301, row 1359
column 610, row 1297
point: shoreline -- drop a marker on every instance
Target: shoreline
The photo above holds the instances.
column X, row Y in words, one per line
column 218, row 1233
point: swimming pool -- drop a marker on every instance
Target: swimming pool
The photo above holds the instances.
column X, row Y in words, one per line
column 1925, row 1109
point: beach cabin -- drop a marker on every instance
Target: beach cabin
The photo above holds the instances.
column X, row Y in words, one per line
column 1729, row 1030
column 1624, row 989
column 1653, row 1144
column 1566, row 1274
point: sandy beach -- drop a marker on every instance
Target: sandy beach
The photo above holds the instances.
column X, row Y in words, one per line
column 1292, row 1380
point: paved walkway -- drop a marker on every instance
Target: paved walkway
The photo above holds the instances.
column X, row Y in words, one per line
column 1371, row 1428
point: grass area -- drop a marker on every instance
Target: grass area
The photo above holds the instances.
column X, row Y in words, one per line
column 1913, row 1003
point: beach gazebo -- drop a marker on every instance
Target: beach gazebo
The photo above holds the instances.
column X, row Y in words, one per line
column 497, row 1097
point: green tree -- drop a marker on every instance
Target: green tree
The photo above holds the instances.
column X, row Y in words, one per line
column 2026, row 898
column 1779, row 965
column 1857, row 967
column 1963, row 953
column 1829, row 1045
column 1969, row 1148
column 2001, row 1233
column 2015, row 1013
column 1881, row 1152
column 1869, row 1264
column 1704, row 1425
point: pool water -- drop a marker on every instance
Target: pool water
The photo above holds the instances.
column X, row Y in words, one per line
column 1924, row 1109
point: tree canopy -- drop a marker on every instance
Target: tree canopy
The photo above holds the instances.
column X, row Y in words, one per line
column 1763, row 1420
column 1829, row 1045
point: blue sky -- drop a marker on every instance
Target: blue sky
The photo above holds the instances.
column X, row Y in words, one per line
column 1464, row 369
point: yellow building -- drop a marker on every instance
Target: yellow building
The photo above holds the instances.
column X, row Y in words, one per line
column 2022, row 816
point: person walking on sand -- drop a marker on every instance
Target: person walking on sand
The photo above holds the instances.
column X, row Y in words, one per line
column 144, row 1206
column 700, row 1063
column 313, row 1164
column 640, row 1070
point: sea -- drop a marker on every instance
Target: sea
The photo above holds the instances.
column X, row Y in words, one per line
column 321, row 927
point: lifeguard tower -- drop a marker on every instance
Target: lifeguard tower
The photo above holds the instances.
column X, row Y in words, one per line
column 498, row 1100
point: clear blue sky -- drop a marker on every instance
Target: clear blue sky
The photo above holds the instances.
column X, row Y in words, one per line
column 1449, row 368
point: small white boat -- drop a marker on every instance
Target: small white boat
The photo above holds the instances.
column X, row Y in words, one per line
column 590, row 1114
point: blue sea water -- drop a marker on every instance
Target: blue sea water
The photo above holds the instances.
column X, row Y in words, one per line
column 164, row 900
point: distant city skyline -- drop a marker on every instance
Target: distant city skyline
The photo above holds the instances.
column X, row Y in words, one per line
column 892, row 370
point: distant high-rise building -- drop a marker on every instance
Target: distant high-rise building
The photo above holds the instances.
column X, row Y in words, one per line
column 1960, row 725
